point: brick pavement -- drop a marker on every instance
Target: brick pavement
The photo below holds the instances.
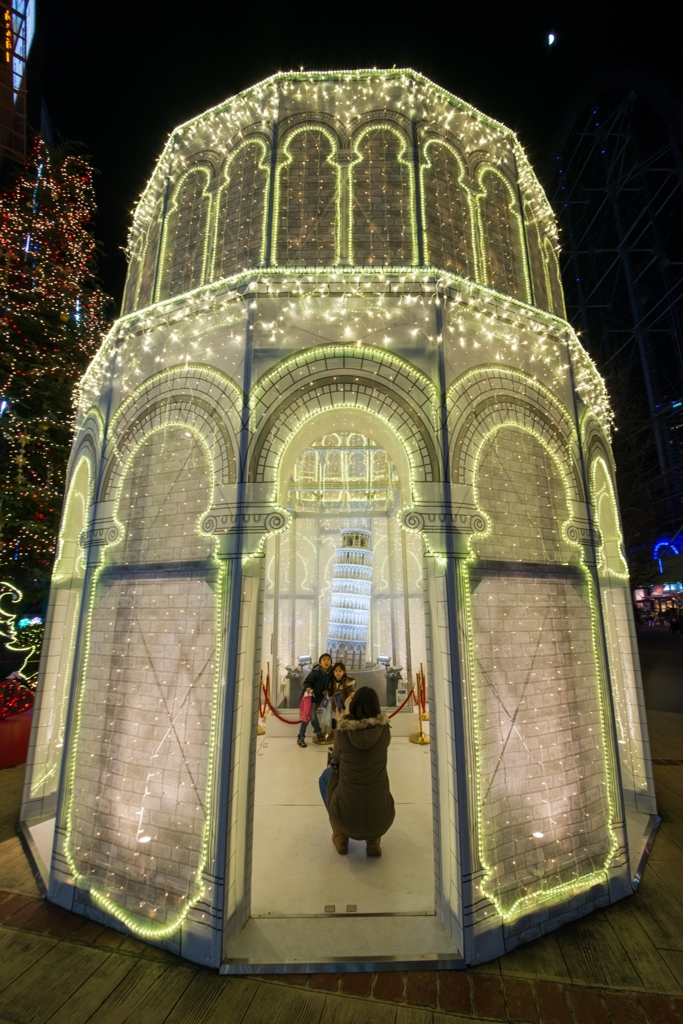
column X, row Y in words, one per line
column 468, row 995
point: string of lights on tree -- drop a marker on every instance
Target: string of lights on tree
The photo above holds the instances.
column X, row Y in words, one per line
column 53, row 318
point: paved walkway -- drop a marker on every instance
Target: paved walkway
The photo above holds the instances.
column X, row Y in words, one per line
column 623, row 965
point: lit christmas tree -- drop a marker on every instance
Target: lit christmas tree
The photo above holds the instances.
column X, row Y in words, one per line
column 53, row 317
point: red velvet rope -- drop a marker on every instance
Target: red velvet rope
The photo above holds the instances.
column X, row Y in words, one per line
column 288, row 721
column 411, row 694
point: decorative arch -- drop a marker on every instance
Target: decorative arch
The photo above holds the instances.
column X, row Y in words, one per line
column 595, row 442
column 351, row 420
column 344, row 377
column 382, row 227
column 617, row 614
column 182, row 265
column 189, row 395
column 539, row 277
column 494, row 396
column 57, row 662
column 448, row 209
column 554, row 279
column 501, row 233
column 87, row 443
column 147, row 287
column 133, row 277
column 539, row 689
column 239, row 238
column 307, row 202
column 152, row 656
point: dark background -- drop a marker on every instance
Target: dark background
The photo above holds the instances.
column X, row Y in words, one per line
column 120, row 76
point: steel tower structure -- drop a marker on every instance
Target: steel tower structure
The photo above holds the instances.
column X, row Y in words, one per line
column 619, row 200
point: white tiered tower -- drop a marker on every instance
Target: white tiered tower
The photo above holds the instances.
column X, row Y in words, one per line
column 347, row 632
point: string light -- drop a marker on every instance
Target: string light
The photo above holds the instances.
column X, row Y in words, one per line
column 394, row 173
column 53, row 318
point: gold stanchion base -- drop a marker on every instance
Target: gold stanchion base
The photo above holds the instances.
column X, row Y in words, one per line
column 419, row 737
column 424, row 716
column 260, row 731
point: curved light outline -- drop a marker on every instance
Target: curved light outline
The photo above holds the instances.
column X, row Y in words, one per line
column 524, row 904
column 253, row 140
column 381, row 126
column 162, row 270
column 287, row 160
column 513, row 208
column 470, row 196
column 66, row 651
column 134, row 923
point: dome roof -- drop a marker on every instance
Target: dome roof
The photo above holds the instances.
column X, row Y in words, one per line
column 351, row 168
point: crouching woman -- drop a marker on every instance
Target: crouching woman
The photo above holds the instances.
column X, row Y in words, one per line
column 357, row 796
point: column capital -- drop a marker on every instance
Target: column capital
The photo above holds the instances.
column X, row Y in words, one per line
column 243, row 532
column 445, row 528
column 99, row 535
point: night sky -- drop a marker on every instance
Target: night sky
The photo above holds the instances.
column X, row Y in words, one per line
column 119, row 77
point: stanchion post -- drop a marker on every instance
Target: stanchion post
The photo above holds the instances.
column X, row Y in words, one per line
column 419, row 737
column 424, row 714
column 260, row 730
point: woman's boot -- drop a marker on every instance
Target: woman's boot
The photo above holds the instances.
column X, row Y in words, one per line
column 341, row 842
column 373, row 848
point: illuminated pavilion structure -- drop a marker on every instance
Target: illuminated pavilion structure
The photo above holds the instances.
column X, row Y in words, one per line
column 362, row 253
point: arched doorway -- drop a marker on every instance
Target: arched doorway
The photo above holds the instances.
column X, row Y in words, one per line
column 343, row 475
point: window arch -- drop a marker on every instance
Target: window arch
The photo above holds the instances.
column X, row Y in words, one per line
column 133, row 278
column 306, row 218
column 536, row 260
column 151, row 665
column 501, row 235
column 382, row 221
column 554, row 279
column 544, row 779
column 183, row 255
column 59, row 644
column 632, row 744
column 447, row 214
column 147, row 287
column 239, row 239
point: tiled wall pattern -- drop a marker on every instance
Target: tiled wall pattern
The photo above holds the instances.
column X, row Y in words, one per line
column 149, row 257
column 448, row 227
column 555, row 279
column 44, row 760
column 185, row 236
column 543, row 802
column 139, row 797
column 504, row 247
column 133, row 279
column 627, row 692
column 538, row 277
column 337, row 197
column 241, row 209
column 307, row 201
column 382, row 202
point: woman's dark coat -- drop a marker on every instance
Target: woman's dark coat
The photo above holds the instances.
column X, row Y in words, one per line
column 359, row 800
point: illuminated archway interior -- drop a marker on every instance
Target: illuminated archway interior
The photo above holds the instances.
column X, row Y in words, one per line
column 345, row 578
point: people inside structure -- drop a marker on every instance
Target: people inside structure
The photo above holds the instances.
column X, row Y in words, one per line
column 355, row 785
column 316, row 686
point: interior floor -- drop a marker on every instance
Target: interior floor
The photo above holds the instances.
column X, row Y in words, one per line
column 296, row 870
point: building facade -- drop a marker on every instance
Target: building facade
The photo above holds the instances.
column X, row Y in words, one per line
column 359, row 253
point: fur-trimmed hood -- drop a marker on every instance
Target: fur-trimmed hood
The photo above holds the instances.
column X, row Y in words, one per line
column 364, row 732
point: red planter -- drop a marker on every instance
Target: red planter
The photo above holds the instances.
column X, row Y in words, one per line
column 14, row 735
